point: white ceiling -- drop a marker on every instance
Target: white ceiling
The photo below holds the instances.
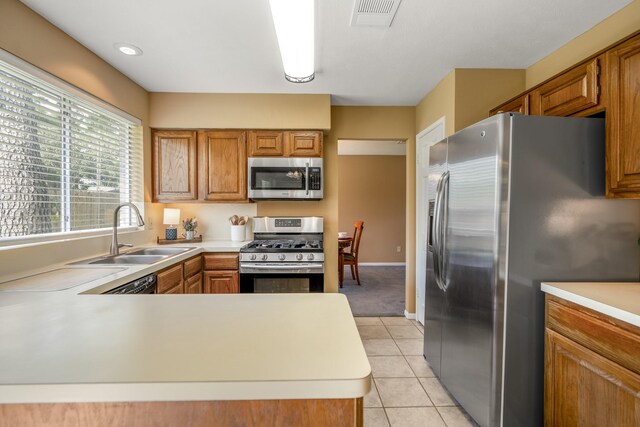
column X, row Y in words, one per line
column 230, row 46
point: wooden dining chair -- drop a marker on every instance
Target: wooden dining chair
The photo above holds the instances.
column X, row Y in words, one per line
column 351, row 258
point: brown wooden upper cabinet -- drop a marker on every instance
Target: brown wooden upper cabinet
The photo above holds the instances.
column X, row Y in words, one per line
column 223, row 165
column 572, row 92
column 263, row 143
column 518, row 105
column 266, row 143
column 175, row 174
column 607, row 82
column 623, row 120
column 303, row 143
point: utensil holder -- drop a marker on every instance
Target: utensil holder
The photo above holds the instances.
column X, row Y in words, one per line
column 238, row 233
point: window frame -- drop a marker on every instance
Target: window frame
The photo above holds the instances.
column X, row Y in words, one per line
column 38, row 73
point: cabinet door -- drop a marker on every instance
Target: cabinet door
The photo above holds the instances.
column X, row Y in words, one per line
column 569, row 93
column 169, row 279
column 303, row 144
column 263, row 143
column 623, row 120
column 583, row 388
column 221, row 282
column 518, row 105
column 175, row 174
column 223, row 165
column 193, row 285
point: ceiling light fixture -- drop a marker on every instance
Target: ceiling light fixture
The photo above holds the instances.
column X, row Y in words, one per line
column 128, row 49
column 295, row 27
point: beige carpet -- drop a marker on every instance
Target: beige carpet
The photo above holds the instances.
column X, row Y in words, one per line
column 381, row 293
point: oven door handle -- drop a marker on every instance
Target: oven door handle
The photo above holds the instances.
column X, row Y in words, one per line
column 281, row 266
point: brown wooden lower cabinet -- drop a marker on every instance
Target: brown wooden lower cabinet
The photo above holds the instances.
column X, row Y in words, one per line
column 221, row 273
column 592, row 368
column 247, row 413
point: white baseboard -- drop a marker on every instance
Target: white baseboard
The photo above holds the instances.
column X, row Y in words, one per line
column 410, row 316
column 380, row 264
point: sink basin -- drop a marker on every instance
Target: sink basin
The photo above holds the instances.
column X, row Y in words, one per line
column 158, row 251
column 127, row 259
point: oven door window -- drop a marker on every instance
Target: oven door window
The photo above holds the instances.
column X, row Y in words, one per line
column 269, row 285
column 277, row 178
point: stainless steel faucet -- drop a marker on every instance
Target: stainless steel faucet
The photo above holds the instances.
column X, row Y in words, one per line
column 115, row 247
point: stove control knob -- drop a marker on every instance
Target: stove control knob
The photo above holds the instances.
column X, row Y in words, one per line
column 299, row 257
column 281, row 257
column 253, row 257
column 265, row 257
column 310, row 257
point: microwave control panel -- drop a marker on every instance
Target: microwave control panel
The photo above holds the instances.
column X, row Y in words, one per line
column 315, row 179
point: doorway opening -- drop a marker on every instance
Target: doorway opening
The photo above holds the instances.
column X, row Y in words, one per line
column 372, row 189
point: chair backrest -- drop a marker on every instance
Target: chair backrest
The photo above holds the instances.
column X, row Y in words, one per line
column 357, row 234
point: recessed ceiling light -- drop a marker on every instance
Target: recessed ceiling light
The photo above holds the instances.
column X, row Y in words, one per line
column 128, row 49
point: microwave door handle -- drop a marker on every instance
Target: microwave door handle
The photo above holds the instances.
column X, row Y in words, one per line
column 306, row 178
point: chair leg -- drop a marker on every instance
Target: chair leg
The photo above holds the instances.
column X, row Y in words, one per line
column 353, row 275
column 357, row 273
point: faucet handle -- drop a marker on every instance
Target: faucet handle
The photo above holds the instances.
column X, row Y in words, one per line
column 122, row 245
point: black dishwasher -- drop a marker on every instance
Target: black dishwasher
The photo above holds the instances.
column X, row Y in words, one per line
column 143, row 285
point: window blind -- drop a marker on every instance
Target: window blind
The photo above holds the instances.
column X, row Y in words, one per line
column 65, row 163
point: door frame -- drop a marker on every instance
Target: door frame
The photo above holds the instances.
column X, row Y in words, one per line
column 436, row 128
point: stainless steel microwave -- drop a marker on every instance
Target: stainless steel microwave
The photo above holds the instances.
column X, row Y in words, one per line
column 285, row 178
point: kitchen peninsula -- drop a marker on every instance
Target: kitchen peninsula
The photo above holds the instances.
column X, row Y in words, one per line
column 282, row 359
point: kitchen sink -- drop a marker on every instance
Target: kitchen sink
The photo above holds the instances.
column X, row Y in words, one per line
column 158, row 251
column 128, row 259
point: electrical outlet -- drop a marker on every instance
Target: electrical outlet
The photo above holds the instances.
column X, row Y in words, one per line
column 149, row 223
column 398, row 248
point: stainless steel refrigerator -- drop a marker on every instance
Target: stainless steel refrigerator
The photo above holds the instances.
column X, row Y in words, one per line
column 515, row 200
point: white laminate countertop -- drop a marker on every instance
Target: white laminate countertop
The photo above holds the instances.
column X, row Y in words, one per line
column 620, row 300
column 73, row 345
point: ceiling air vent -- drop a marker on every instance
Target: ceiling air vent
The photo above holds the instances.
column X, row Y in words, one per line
column 374, row 13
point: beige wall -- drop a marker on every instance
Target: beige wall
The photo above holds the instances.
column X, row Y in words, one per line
column 242, row 111
column 616, row 27
column 440, row 102
column 372, row 189
column 359, row 123
column 479, row 90
column 28, row 36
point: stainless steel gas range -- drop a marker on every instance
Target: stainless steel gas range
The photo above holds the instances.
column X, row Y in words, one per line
column 286, row 256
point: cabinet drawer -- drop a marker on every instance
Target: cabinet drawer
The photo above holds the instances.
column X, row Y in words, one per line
column 612, row 339
column 169, row 278
column 179, row 289
column 193, row 285
column 221, row 261
column 192, row 266
column 264, row 143
column 569, row 93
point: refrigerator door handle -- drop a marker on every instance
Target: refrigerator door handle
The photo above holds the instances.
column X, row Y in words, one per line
column 442, row 240
column 437, row 225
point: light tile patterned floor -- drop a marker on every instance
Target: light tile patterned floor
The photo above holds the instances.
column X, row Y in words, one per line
column 404, row 392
